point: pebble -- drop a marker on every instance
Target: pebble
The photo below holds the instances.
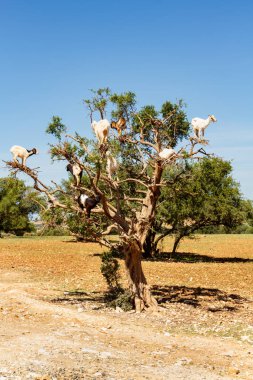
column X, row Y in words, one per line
column 233, row 371
column 183, row 362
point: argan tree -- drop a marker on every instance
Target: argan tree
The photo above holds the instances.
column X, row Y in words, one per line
column 206, row 195
column 130, row 199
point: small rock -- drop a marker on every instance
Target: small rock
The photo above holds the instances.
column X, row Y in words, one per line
column 228, row 353
column 42, row 351
column 89, row 350
column 233, row 371
column 4, row 370
column 183, row 362
column 98, row 374
column 245, row 338
column 118, row 309
column 105, row 355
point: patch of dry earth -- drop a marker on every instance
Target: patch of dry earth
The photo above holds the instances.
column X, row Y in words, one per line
column 46, row 340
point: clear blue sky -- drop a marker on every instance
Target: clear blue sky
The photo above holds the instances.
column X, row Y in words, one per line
column 54, row 51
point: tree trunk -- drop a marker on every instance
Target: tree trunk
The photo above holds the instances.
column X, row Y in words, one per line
column 176, row 244
column 149, row 248
column 136, row 279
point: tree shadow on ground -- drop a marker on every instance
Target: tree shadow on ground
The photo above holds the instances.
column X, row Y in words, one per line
column 188, row 257
column 211, row 299
column 80, row 297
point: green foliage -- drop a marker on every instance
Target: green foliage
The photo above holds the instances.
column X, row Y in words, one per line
column 99, row 101
column 80, row 227
column 206, row 195
column 124, row 105
column 54, row 222
column 56, row 128
column 110, row 270
column 171, row 122
column 178, row 125
column 116, row 295
column 54, row 231
column 247, row 226
column 17, row 203
column 119, row 297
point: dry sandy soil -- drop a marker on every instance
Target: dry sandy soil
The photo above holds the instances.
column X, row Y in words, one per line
column 54, row 324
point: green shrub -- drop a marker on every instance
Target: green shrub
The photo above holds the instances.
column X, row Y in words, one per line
column 110, row 270
column 116, row 295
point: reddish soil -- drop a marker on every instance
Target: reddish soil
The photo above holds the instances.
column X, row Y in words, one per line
column 54, row 324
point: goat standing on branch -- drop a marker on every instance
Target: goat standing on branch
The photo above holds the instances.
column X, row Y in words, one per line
column 88, row 203
column 76, row 171
column 119, row 125
column 23, row 153
column 101, row 129
column 199, row 125
column 111, row 164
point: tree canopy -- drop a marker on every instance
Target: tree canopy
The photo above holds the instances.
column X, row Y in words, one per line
column 17, row 204
column 205, row 195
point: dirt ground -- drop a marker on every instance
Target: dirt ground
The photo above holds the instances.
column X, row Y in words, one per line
column 54, row 324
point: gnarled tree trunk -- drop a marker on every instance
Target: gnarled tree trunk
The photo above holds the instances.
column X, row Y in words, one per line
column 136, row 278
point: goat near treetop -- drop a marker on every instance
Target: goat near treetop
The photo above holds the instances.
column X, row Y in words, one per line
column 101, row 129
column 23, row 153
column 199, row 125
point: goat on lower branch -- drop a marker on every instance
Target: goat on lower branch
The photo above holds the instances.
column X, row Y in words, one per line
column 23, row 153
column 111, row 164
column 199, row 125
column 88, row 203
column 101, row 129
column 76, row 171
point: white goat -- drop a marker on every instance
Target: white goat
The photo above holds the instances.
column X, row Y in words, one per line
column 23, row 153
column 167, row 153
column 101, row 129
column 199, row 125
column 111, row 164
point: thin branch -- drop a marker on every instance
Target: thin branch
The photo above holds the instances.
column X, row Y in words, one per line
column 79, row 141
column 110, row 228
column 134, row 180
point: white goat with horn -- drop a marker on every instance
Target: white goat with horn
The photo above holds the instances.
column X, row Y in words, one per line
column 101, row 129
column 199, row 125
column 23, row 153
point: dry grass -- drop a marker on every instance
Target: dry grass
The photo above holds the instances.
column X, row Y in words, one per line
column 62, row 264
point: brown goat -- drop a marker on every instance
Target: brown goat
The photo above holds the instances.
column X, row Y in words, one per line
column 119, row 125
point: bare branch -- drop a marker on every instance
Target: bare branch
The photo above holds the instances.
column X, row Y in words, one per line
column 110, row 228
column 134, row 180
column 38, row 184
column 79, row 141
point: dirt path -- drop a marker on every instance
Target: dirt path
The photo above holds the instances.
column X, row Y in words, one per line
column 44, row 340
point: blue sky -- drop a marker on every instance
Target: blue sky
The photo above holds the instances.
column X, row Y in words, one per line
column 54, row 51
